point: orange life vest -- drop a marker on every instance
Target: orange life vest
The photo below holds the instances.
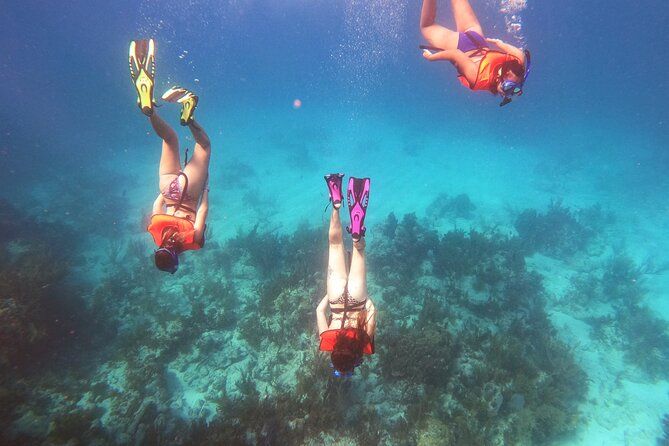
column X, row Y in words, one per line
column 185, row 228
column 489, row 72
column 329, row 338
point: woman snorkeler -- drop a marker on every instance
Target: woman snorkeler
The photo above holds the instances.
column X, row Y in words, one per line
column 180, row 210
column 349, row 334
column 482, row 64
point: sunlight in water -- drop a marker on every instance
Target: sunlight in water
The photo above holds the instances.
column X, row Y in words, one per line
column 512, row 10
column 511, row 284
column 373, row 32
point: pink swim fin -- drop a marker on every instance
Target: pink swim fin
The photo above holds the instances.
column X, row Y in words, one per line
column 357, row 197
column 333, row 181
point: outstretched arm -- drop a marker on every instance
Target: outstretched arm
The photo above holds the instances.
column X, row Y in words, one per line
column 158, row 204
column 465, row 67
column 509, row 49
column 371, row 318
column 201, row 216
column 321, row 318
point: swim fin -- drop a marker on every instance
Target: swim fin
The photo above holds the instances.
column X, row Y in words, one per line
column 142, row 60
column 186, row 98
column 333, row 181
column 357, row 197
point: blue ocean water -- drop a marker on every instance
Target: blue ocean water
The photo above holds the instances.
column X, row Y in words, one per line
column 568, row 181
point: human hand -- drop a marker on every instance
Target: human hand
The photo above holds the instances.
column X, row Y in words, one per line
column 429, row 55
column 495, row 41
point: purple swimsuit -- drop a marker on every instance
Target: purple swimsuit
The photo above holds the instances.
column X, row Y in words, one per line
column 471, row 40
column 173, row 190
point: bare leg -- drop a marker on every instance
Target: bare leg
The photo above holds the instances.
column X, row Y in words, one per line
column 465, row 19
column 197, row 168
column 170, row 164
column 357, row 278
column 436, row 35
column 336, row 279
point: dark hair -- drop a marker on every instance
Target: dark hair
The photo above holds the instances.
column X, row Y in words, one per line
column 515, row 67
column 347, row 352
column 165, row 260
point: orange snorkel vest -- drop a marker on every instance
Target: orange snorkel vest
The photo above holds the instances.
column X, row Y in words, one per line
column 185, row 228
column 489, row 72
column 329, row 339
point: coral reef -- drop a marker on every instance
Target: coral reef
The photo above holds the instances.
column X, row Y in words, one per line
column 399, row 255
column 628, row 325
column 422, row 354
column 560, row 232
column 239, row 175
column 621, row 282
column 227, row 354
column 664, row 440
column 40, row 312
column 445, row 206
column 77, row 427
column 45, row 323
column 468, row 324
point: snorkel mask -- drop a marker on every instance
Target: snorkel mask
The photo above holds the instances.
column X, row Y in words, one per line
column 339, row 374
column 512, row 88
column 173, row 265
column 166, row 256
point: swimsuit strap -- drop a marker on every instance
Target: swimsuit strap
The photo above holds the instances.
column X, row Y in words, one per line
column 187, row 208
column 179, row 205
column 479, row 47
column 342, row 310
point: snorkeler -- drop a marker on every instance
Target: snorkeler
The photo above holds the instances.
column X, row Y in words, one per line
column 180, row 210
column 482, row 64
column 349, row 334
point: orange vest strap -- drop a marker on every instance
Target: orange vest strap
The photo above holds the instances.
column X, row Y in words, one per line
column 488, row 73
column 329, row 338
column 185, row 228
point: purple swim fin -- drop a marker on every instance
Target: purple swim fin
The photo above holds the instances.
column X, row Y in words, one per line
column 333, row 181
column 357, row 197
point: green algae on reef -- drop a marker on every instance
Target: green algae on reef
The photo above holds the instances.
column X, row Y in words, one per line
column 229, row 354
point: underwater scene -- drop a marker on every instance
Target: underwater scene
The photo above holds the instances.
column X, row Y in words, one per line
column 334, row 222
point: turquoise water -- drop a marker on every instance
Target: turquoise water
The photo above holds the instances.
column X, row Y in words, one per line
column 517, row 256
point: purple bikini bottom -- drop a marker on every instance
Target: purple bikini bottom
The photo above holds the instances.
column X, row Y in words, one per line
column 471, row 40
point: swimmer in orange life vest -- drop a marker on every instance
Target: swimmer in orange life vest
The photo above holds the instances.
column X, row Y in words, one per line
column 482, row 64
column 349, row 334
column 180, row 210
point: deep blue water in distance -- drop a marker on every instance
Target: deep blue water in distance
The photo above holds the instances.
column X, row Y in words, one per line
column 589, row 61
column 592, row 128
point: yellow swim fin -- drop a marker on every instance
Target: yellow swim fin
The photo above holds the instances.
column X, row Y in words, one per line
column 142, row 59
column 186, row 98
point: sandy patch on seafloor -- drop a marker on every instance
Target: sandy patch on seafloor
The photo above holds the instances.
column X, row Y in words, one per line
column 623, row 405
